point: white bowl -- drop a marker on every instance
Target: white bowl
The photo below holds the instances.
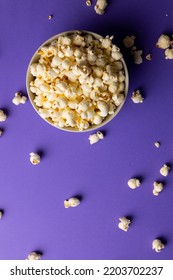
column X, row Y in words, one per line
column 31, row 95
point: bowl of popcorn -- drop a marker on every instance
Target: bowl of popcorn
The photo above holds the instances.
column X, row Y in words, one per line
column 77, row 81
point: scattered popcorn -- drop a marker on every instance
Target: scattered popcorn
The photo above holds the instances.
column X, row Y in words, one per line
column 19, row 99
column 148, row 56
column 137, row 56
column 133, row 183
column 34, row 256
column 1, row 214
column 124, row 223
column 163, row 42
column 158, row 187
column 3, row 116
column 78, row 80
column 164, row 170
column 157, row 245
column 50, row 16
column 169, row 54
column 157, row 144
column 72, row 202
column 34, row 158
column 100, row 6
column 137, row 97
column 129, row 41
column 94, row 138
column 88, row 3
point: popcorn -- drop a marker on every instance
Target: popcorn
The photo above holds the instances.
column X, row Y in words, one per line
column 148, row 56
column 100, row 6
column 34, row 158
column 133, row 183
column 169, row 54
column 34, row 256
column 1, row 132
column 157, row 245
column 157, row 144
column 3, row 116
column 137, row 56
column 88, row 3
column 94, row 138
column 164, row 170
column 128, row 41
column 124, row 223
column 158, row 187
column 137, row 97
column 163, row 42
column 78, row 80
column 1, row 214
column 19, row 99
column 72, row 202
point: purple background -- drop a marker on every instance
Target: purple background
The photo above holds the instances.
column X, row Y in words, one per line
column 32, row 196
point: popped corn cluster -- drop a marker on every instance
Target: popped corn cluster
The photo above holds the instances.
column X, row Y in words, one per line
column 164, row 42
column 78, row 80
column 128, row 42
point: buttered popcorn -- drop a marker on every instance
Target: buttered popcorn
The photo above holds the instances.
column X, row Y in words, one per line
column 78, row 80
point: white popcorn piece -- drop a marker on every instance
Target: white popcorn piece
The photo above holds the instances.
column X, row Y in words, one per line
column 169, row 54
column 1, row 132
column 163, row 42
column 148, row 57
column 157, row 144
column 100, row 6
column 34, row 256
column 72, row 202
column 3, row 116
column 1, row 214
column 137, row 97
column 164, row 170
column 157, row 245
column 133, row 183
column 128, row 41
column 124, row 223
column 137, row 56
column 88, row 3
column 19, row 99
column 158, row 187
column 94, row 138
column 34, row 158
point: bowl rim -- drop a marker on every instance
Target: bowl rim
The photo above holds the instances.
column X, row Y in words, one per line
column 29, row 78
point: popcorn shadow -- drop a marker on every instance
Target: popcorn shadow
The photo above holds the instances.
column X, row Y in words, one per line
column 79, row 196
column 41, row 153
column 163, row 239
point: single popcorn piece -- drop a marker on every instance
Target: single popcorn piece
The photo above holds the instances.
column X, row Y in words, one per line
column 34, row 256
column 157, row 245
column 157, row 144
column 158, row 187
column 133, row 183
column 128, row 41
column 34, row 158
column 1, row 132
column 137, row 97
column 50, row 17
column 148, row 57
column 19, row 99
column 1, row 214
column 124, row 223
column 164, row 170
column 88, row 3
column 100, row 6
column 72, row 202
column 94, row 138
column 137, row 56
column 3, row 116
column 169, row 54
column 163, row 42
